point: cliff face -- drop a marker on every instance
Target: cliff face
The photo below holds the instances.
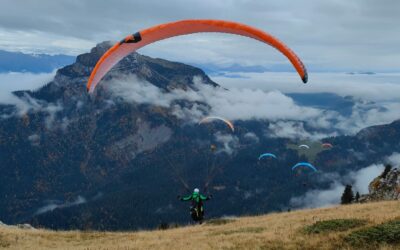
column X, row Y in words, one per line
column 385, row 187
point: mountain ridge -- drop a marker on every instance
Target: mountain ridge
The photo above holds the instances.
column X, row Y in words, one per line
column 97, row 162
column 38, row 63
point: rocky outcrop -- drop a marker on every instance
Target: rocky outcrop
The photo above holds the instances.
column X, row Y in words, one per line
column 20, row 226
column 384, row 187
column 144, row 139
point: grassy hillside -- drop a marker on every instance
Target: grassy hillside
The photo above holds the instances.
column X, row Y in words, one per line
column 361, row 226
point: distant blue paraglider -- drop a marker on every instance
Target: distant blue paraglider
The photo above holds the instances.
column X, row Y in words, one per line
column 267, row 155
column 304, row 164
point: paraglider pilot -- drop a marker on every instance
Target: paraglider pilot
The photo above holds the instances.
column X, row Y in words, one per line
column 196, row 209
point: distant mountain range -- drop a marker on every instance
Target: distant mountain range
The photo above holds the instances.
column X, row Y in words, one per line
column 99, row 162
column 361, row 73
column 44, row 63
column 38, row 63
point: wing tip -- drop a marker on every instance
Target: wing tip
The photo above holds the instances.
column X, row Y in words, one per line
column 305, row 78
column 89, row 89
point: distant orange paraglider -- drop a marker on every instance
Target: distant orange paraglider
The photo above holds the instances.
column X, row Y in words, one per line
column 327, row 145
column 211, row 118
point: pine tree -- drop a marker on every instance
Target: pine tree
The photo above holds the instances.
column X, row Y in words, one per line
column 348, row 195
column 357, row 196
column 388, row 167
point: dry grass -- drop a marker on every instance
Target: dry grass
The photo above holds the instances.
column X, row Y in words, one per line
column 273, row 231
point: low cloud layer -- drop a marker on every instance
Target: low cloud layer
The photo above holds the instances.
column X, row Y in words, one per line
column 248, row 101
column 376, row 87
column 364, row 115
column 376, row 97
column 286, row 117
column 358, row 179
column 10, row 82
column 34, row 139
column 319, row 198
column 229, row 143
column 394, row 159
column 234, row 104
column 294, row 130
column 25, row 103
column 52, row 205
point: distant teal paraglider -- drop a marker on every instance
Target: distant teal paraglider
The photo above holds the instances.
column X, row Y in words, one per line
column 304, row 164
column 267, row 155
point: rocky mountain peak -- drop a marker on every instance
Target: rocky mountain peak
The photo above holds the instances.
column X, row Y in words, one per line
column 90, row 59
column 70, row 81
column 159, row 72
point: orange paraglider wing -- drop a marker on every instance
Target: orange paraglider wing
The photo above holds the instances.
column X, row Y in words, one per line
column 327, row 145
column 142, row 38
column 211, row 118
